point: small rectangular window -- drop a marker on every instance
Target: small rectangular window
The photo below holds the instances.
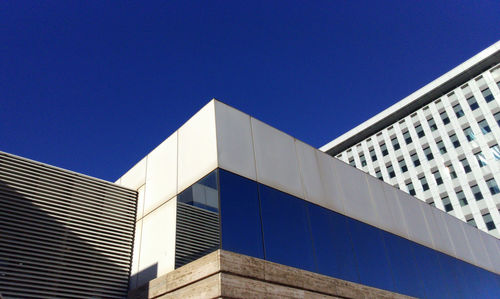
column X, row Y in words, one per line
column 481, row 160
column 466, row 165
column 490, row 225
column 428, row 153
column 395, row 143
column 351, row 162
column 420, row 131
column 437, row 177
column 441, row 147
column 495, row 150
column 402, row 165
column 363, row 160
column 492, row 185
column 447, row 204
column 378, row 174
column 472, row 103
column 425, row 185
column 390, row 171
column 373, row 155
column 485, row 128
column 415, row 160
column 458, row 110
column 454, row 141
column 497, row 117
column 432, row 124
column 488, row 97
column 477, row 192
column 444, row 117
column 469, row 134
column 461, row 198
column 472, row 222
column 451, row 171
column 407, row 137
column 383, row 149
column 410, row 188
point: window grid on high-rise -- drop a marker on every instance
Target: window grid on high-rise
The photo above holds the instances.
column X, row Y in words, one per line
column 449, row 126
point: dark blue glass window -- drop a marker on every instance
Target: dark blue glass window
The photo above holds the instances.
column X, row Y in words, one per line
column 287, row 237
column 430, row 272
column 332, row 244
column 369, row 248
column 203, row 194
column 240, row 215
column 403, row 265
column 450, row 266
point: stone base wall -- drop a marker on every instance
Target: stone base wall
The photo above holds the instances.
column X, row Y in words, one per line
column 224, row 274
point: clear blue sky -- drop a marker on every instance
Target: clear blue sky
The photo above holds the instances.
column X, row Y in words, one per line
column 93, row 86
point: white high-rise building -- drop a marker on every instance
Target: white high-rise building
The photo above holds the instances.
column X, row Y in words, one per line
column 440, row 144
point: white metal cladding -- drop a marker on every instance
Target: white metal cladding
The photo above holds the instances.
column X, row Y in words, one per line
column 463, row 136
column 259, row 152
column 348, row 190
column 62, row 234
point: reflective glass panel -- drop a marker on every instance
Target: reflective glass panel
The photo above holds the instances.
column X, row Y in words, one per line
column 287, row 238
column 403, row 266
column 430, row 272
column 332, row 244
column 202, row 194
column 369, row 248
column 240, row 215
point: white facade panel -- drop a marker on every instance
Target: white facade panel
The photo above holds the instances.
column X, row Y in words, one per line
column 157, row 248
column 415, row 220
column 310, row 174
column 330, row 182
column 197, row 151
column 384, row 218
column 400, row 228
column 492, row 249
column 276, row 159
column 477, row 247
column 161, row 174
column 460, row 243
column 134, row 269
column 443, row 241
column 136, row 176
column 234, row 141
column 357, row 199
column 141, row 193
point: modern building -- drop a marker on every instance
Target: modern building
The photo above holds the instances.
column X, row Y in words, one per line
column 278, row 217
column 62, row 234
column 440, row 144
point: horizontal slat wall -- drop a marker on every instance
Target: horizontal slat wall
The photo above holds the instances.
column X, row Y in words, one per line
column 62, row 235
column 197, row 233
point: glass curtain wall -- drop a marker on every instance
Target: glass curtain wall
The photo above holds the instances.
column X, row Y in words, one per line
column 262, row 222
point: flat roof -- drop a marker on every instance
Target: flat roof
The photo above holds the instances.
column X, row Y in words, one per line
column 430, row 92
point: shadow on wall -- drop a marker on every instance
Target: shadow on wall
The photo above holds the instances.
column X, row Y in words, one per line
column 50, row 249
column 141, row 278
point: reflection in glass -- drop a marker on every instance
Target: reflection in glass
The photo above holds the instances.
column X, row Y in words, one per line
column 430, row 272
column 403, row 266
column 240, row 215
column 369, row 248
column 287, row 238
column 332, row 244
column 202, row 194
